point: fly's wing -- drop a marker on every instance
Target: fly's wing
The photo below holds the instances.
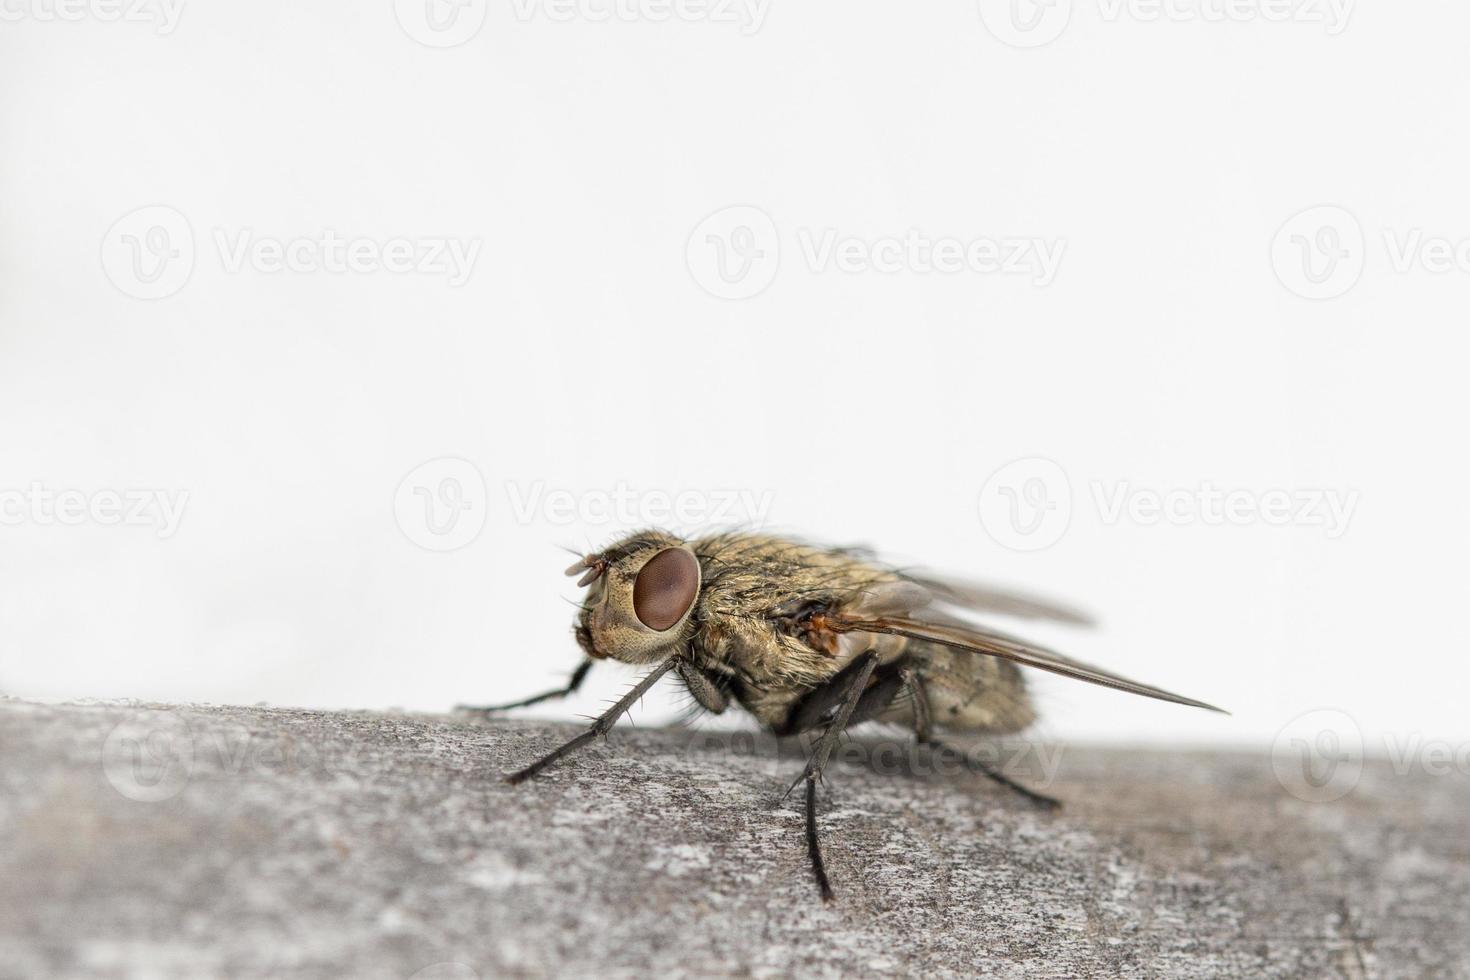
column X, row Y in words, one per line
column 974, row 639
column 990, row 599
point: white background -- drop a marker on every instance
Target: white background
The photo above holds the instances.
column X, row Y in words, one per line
column 1173, row 348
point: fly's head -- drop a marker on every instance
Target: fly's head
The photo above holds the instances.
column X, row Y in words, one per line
column 641, row 592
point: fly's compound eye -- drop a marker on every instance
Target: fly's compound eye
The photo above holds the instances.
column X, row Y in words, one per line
column 665, row 588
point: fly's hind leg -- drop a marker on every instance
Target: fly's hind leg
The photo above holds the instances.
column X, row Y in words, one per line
column 924, row 735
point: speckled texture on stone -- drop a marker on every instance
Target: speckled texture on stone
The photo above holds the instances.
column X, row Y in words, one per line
column 211, row 841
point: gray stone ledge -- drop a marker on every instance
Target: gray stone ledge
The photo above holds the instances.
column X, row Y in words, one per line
column 192, row 841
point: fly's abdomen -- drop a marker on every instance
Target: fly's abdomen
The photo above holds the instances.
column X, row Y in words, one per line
column 966, row 692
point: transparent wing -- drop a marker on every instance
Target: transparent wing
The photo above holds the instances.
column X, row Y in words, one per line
column 975, row 639
column 984, row 598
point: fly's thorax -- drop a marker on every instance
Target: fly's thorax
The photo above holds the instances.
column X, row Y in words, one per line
column 642, row 592
column 770, row 577
column 762, row 604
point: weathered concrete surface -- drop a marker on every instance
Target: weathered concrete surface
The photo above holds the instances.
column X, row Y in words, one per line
column 207, row 841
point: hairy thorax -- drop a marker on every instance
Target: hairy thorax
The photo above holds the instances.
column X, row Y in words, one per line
column 760, row 617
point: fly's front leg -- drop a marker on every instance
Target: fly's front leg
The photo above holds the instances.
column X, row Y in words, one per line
column 600, row 726
column 574, row 682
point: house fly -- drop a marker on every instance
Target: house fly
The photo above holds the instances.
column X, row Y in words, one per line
column 812, row 639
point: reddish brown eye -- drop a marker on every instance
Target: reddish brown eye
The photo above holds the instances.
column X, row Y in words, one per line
column 665, row 588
